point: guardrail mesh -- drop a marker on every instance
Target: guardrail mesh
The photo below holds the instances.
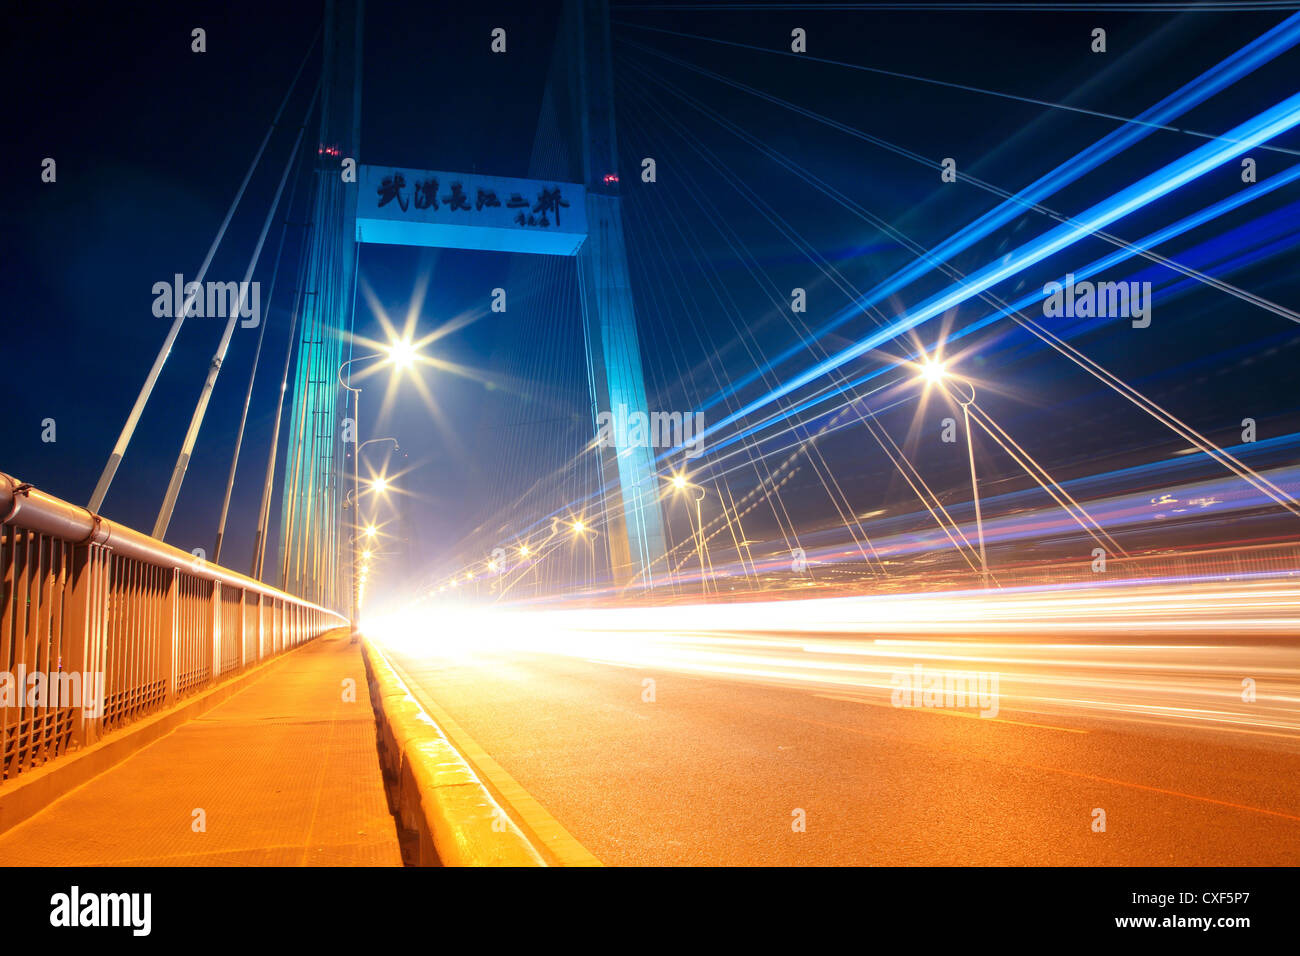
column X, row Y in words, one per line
column 91, row 640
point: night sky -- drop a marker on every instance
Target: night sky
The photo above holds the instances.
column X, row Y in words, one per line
column 151, row 141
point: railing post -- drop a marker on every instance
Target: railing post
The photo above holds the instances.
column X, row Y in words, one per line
column 243, row 628
column 85, row 623
column 171, row 617
column 261, row 626
column 216, row 632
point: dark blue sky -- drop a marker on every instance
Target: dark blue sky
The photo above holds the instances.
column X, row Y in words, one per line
column 151, row 141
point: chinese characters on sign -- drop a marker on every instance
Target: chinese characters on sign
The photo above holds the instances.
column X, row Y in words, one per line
column 391, row 188
column 425, row 196
column 469, row 211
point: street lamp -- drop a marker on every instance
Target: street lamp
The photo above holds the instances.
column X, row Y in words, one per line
column 380, row 484
column 401, row 352
column 375, row 441
column 935, row 373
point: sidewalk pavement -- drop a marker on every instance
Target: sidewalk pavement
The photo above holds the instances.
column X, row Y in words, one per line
column 283, row 773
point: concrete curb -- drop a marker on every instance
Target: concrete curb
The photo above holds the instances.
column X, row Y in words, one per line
column 33, row 790
column 433, row 790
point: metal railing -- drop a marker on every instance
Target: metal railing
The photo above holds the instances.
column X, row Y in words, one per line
column 101, row 625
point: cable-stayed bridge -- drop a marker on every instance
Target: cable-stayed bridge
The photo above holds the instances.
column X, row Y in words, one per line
column 809, row 399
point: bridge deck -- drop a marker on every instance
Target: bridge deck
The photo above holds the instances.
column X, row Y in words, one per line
column 285, row 771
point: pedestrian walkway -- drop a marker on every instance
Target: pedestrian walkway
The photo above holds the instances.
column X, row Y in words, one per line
column 283, row 773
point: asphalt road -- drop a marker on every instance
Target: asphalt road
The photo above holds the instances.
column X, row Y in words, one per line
column 710, row 763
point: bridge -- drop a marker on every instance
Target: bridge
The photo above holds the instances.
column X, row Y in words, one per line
column 780, row 452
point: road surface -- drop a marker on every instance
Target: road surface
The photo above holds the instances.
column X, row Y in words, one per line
column 672, row 747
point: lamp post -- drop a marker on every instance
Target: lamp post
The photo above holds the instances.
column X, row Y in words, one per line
column 353, row 500
column 580, row 530
column 936, row 374
column 680, row 483
column 401, row 354
column 368, row 534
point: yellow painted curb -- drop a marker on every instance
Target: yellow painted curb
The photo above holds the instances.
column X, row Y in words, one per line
column 438, row 795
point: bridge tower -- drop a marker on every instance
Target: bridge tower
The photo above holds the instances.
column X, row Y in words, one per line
column 631, row 488
column 314, row 529
column 313, row 532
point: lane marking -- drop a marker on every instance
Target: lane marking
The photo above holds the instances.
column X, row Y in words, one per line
column 954, row 713
column 530, row 815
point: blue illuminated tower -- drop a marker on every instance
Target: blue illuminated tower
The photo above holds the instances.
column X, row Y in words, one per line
column 631, row 488
column 312, row 538
column 314, row 529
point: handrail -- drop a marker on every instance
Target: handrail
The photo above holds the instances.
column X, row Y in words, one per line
column 101, row 624
column 27, row 507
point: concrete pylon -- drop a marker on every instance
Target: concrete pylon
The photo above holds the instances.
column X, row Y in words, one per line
column 633, row 515
column 313, row 536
